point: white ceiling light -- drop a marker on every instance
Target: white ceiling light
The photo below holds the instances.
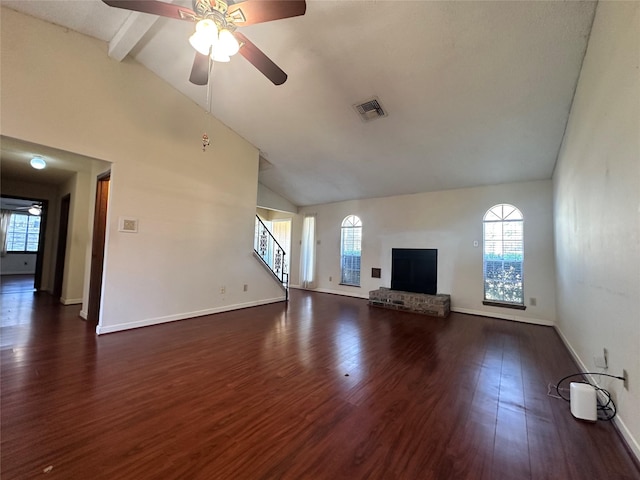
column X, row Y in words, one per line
column 228, row 43
column 205, row 36
column 215, row 40
column 35, row 210
column 38, row 163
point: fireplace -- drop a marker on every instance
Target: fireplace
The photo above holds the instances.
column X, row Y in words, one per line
column 414, row 270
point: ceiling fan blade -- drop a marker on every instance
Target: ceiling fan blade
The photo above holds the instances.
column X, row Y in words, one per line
column 251, row 12
column 200, row 70
column 154, row 6
column 259, row 60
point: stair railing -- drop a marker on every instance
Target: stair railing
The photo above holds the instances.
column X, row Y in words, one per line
column 271, row 253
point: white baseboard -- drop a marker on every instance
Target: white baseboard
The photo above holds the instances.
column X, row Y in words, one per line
column 628, row 437
column 70, row 301
column 344, row 293
column 504, row 316
column 100, row 329
column 632, row 443
column 83, row 314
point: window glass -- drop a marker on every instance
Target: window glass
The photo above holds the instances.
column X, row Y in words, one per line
column 23, row 233
column 503, row 254
column 350, row 250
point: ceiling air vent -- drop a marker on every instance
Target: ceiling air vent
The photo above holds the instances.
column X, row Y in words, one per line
column 370, row 110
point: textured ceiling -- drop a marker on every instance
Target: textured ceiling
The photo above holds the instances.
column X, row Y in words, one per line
column 476, row 92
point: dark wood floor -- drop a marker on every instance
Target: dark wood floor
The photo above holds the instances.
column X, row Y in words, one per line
column 322, row 388
column 16, row 283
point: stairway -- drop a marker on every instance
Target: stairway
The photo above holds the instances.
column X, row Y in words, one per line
column 271, row 254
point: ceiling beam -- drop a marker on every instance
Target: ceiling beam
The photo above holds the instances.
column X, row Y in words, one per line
column 130, row 33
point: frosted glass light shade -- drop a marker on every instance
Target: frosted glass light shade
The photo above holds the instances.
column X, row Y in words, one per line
column 199, row 43
column 219, row 56
column 205, row 36
column 38, row 163
column 228, row 43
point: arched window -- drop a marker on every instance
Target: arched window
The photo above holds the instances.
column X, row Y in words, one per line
column 503, row 255
column 350, row 250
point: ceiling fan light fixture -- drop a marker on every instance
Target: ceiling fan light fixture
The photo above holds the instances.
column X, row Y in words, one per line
column 38, row 163
column 216, row 16
column 199, row 43
column 228, row 43
column 205, row 36
column 219, row 56
column 35, row 210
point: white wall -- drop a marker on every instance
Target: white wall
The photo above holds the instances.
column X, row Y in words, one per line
column 449, row 221
column 195, row 210
column 597, row 209
column 269, row 199
column 18, row 263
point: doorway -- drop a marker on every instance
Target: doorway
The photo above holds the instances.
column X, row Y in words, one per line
column 24, row 221
column 281, row 230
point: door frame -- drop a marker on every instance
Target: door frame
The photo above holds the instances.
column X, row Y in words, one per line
column 61, row 251
column 97, row 246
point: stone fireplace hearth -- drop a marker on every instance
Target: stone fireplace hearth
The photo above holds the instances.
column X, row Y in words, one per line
column 434, row 305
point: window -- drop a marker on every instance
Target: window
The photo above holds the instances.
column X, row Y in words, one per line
column 503, row 254
column 23, row 233
column 308, row 252
column 350, row 250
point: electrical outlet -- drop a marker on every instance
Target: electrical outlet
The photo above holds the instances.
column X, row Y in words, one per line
column 600, row 362
column 626, row 379
column 330, row 279
column 223, row 289
column 533, row 301
column 246, row 287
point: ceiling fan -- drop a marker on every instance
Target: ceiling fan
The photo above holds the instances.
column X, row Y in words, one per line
column 34, row 209
column 216, row 36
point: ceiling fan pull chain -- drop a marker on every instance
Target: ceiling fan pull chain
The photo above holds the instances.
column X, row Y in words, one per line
column 205, row 137
column 209, row 82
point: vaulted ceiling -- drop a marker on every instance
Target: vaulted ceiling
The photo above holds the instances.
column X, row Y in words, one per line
column 476, row 92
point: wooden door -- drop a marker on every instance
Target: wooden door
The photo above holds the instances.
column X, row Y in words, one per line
column 97, row 247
